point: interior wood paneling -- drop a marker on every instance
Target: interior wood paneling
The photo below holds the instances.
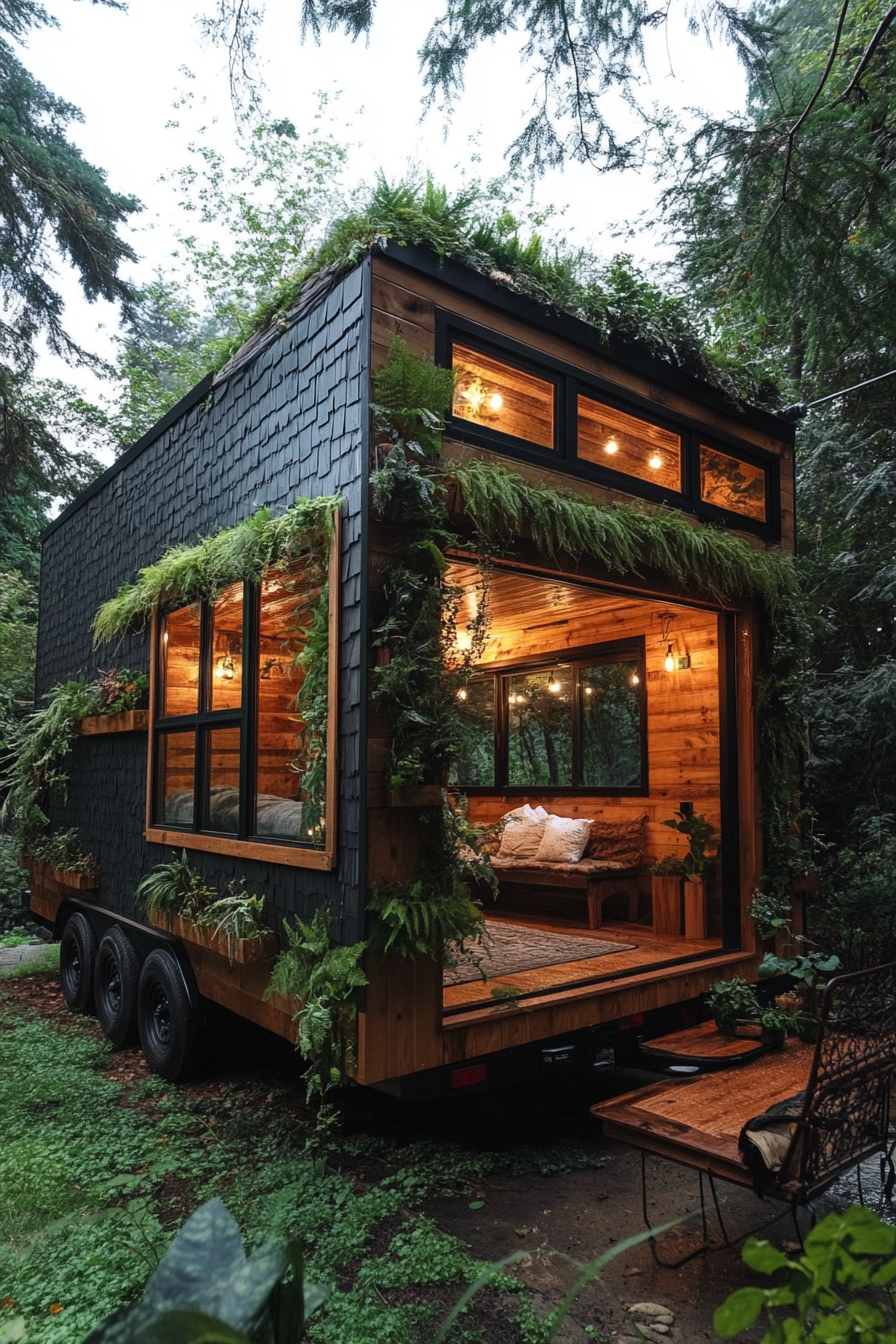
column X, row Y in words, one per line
column 531, row 617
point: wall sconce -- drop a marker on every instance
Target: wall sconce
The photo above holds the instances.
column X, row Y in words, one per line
column 271, row 665
column 611, row 446
column 224, row 667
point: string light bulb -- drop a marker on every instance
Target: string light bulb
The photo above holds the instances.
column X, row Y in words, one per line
column 655, row 462
column 495, row 401
column 669, row 663
column 611, row 446
column 461, row 695
column 554, row 685
column 636, row 680
column 588, row 690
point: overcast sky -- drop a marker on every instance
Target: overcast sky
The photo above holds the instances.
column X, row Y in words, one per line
column 123, row 70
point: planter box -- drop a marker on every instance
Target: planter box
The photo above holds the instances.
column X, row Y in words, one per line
column 695, row 920
column 246, row 951
column 666, row 895
column 42, row 872
column 131, row 721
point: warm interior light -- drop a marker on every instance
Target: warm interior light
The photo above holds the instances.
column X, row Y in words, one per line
column 588, row 690
column 554, row 685
column 669, row 663
column 656, row 462
column 611, row 446
column 165, row 637
column 224, row 667
column 636, row 680
column 461, row 695
column 495, row 401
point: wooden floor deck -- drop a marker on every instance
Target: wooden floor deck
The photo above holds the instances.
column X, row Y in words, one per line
column 652, row 949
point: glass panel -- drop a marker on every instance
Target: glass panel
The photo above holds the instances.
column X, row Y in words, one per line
column 227, row 649
column 175, row 772
column 224, row 780
column 502, row 398
column 475, row 763
column 540, row 728
column 180, row 661
column 731, row 484
column 610, row 746
column 613, row 439
column 280, row 762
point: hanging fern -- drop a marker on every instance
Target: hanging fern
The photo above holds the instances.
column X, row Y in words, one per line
column 187, row 573
column 627, row 539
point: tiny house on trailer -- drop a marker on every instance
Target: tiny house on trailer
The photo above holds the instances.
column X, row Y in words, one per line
column 607, row 698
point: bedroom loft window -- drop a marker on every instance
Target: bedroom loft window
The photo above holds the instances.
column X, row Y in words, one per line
column 575, row 723
column 493, row 395
column 624, row 443
column 231, row 751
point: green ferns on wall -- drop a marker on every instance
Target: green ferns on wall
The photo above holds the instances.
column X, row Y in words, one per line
column 187, row 573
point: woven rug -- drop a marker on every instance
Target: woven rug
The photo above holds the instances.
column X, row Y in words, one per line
column 509, row 948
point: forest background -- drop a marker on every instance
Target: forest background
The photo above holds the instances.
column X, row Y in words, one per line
column 776, row 281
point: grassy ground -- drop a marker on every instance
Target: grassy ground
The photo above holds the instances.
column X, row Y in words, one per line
column 100, row 1163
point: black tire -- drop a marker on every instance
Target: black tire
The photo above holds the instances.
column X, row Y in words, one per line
column 171, row 1033
column 115, row 981
column 77, row 963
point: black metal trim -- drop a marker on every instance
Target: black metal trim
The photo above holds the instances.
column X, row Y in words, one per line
column 611, row 651
column 729, row 848
column 570, row 382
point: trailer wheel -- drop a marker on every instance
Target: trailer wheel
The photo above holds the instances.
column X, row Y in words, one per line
column 115, row 987
column 170, row 1031
column 77, row 960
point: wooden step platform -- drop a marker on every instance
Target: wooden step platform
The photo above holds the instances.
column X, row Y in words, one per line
column 697, row 1122
column 704, row 1047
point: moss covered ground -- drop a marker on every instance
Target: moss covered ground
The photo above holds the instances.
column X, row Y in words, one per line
column 100, row 1163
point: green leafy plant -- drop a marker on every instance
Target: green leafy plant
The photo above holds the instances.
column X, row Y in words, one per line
column 670, row 865
column 415, row 917
column 323, row 978
column 811, row 969
column 841, row 1288
column 120, row 689
column 771, row 912
column 186, row 573
column 732, row 1001
column 176, row 888
column 206, row 1290
column 699, row 834
column 236, row 915
column 61, row 850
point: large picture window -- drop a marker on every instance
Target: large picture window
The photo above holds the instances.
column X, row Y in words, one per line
column 576, row 723
column 233, row 762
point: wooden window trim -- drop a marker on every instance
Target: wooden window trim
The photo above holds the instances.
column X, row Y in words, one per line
column 289, row 855
column 571, row 381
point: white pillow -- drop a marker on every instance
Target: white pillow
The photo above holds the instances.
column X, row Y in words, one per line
column 521, row 837
column 525, row 813
column 564, row 840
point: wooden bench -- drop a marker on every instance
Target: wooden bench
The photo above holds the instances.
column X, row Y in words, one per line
column 595, row 885
column 842, row 1118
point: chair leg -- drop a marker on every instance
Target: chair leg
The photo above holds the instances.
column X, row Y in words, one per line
column 691, row 1255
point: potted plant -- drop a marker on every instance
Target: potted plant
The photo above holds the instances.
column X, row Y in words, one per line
column 774, row 1023
column 665, row 891
column 697, row 868
column 178, row 899
column 733, row 1004
column 811, row 971
column 770, row 913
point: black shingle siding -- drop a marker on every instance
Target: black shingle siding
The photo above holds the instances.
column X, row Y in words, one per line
column 288, row 423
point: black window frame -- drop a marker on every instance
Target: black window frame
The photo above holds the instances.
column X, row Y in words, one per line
column 613, row 651
column 570, row 382
column 205, row 721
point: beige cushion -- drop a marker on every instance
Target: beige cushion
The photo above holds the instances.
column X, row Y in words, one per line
column 564, row 840
column 526, row 813
column 521, row 837
column 622, row 841
column 586, row 866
